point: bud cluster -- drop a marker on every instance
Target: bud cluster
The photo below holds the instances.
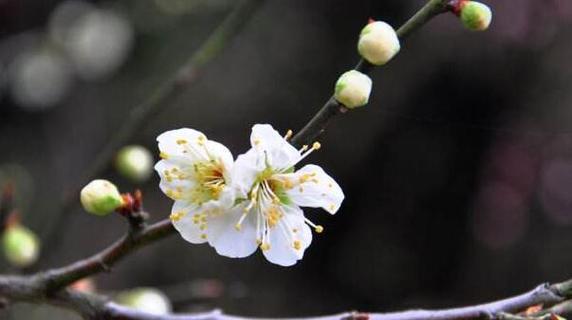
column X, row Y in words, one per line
column 378, row 43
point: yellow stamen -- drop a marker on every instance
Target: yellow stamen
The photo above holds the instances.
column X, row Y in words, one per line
column 176, row 216
column 319, row 229
column 297, row 245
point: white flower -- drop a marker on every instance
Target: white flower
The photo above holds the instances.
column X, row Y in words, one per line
column 269, row 196
column 195, row 172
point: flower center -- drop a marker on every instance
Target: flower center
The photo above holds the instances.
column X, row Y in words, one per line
column 207, row 173
column 210, row 181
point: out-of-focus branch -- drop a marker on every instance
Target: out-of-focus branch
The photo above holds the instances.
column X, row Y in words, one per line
column 33, row 289
column 332, row 108
column 158, row 100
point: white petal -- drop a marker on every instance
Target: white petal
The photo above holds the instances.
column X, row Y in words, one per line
column 217, row 151
column 245, row 171
column 290, row 229
column 319, row 191
column 182, row 218
column 182, row 143
column 170, row 184
column 269, row 143
column 226, row 239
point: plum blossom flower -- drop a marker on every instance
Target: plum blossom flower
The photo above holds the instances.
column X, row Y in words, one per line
column 195, row 172
column 269, row 194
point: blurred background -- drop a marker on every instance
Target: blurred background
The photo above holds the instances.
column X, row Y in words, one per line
column 458, row 172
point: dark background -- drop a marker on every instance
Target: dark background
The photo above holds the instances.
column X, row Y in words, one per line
column 457, row 175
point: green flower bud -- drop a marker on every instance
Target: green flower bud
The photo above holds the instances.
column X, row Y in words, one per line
column 353, row 89
column 21, row 246
column 145, row 299
column 100, row 197
column 134, row 163
column 378, row 43
column 475, row 15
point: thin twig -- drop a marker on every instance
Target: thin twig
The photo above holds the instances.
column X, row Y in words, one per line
column 157, row 101
column 333, row 108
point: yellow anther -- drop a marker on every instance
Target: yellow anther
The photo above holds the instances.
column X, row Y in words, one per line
column 172, row 194
column 258, row 241
column 273, row 216
column 163, row 155
column 203, row 236
column 288, row 184
column 332, row 207
column 316, row 145
column 297, row 245
column 181, row 141
column 202, row 227
column 256, row 142
column 304, row 148
column 176, row 216
column 264, row 246
column 319, row 229
column 238, row 227
column 288, row 135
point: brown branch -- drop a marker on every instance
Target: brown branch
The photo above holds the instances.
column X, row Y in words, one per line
column 98, row 307
column 48, row 287
column 333, row 108
column 62, row 277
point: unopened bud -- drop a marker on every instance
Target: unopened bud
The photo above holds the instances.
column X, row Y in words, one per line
column 100, row 197
column 21, row 246
column 378, row 43
column 148, row 300
column 134, row 163
column 475, row 16
column 353, row 89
